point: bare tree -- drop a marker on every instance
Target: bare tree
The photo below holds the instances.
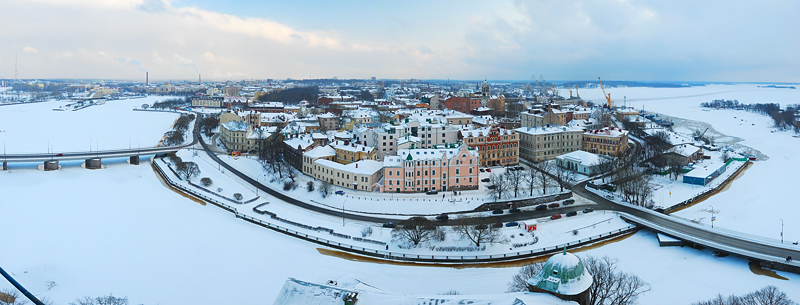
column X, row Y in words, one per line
column 187, row 170
column 102, row 300
column 12, row 297
column 290, row 172
column 415, row 229
column 563, row 176
column 520, row 280
column 310, row 186
column 477, row 230
column 769, row 295
column 515, row 180
column 497, row 186
column 238, row 196
column 366, row 231
column 532, row 179
column 206, row 181
column 543, row 178
column 325, row 189
column 612, row 286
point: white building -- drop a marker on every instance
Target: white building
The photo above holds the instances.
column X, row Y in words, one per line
column 581, row 161
column 363, row 175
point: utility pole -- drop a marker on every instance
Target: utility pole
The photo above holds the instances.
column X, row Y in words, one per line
column 781, row 230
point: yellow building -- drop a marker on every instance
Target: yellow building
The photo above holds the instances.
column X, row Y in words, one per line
column 609, row 141
column 348, row 152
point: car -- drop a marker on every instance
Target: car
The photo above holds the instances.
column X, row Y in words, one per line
column 497, row 225
column 498, row 211
column 553, row 205
column 483, row 170
column 488, row 170
column 60, row 154
column 514, row 210
column 491, row 187
column 432, row 192
column 485, row 180
column 512, row 224
column 588, row 210
column 390, row 225
column 541, row 207
column 573, row 213
column 568, row 201
column 519, row 168
column 339, row 193
column 442, row 217
column 556, row 216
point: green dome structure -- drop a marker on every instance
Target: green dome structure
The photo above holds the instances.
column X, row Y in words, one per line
column 564, row 276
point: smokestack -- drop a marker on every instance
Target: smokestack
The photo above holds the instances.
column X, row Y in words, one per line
column 200, row 78
column 147, row 78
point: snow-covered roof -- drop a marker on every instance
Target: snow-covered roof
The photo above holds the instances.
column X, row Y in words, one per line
column 266, row 132
column 564, row 274
column 235, row 126
column 352, row 146
column 320, row 152
column 482, row 132
column 607, row 132
column 363, row 167
column 431, row 153
column 583, row 157
column 300, row 292
column 327, row 115
column 685, row 150
column 303, row 141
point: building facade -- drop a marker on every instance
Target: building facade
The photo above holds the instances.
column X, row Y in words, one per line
column 497, row 146
column 348, row 152
column 546, row 142
column 362, row 175
column 609, row 141
column 421, row 170
column 207, row 101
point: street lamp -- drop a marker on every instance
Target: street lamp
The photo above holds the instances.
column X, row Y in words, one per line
column 712, row 217
column 781, row 230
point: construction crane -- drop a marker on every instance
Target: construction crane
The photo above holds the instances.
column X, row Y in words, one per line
column 607, row 96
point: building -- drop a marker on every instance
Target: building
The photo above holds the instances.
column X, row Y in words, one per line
column 581, row 162
column 317, row 153
column 439, row 169
column 609, row 141
column 348, row 152
column 240, row 136
column 546, row 142
column 564, row 276
column 703, row 174
column 294, row 147
column 530, row 119
column 362, row 175
column 231, row 90
column 207, row 101
column 328, row 121
column 462, row 104
column 680, row 155
column 497, row 146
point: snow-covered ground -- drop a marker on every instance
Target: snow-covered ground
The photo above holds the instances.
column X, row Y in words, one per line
column 119, row 230
column 385, row 203
column 756, row 202
column 32, row 127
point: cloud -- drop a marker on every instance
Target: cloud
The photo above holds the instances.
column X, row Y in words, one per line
column 121, row 59
column 138, row 64
column 152, row 6
column 185, row 62
column 30, row 50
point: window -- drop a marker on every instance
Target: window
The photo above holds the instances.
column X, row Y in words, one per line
column 457, row 171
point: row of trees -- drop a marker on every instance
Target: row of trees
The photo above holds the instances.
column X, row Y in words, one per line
column 769, row 295
column 478, row 231
column 541, row 175
column 293, row 95
column 179, row 130
column 783, row 119
column 173, row 103
column 208, row 124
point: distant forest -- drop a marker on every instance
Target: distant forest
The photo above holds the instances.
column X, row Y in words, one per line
column 293, row 95
column 783, row 119
column 614, row 83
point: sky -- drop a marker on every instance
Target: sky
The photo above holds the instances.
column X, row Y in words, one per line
column 713, row 41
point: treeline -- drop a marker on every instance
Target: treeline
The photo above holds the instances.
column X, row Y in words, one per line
column 783, row 119
column 173, row 103
column 178, row 132
column 292, row 95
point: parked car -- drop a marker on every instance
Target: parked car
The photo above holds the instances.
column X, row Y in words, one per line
column 588, row 210
column 553, row 205
column 512, row 224
column 489, row 170
column 390, row 225
column 485, row 180
column 514, row 210
column 432, row 192
column 497, row 225
column 541, row 207
column 568, row 201
column 573, row 213
column 442, row 217
column 60, row 154
column 519, row 168
column 483, row 170
column 556, row 216
column 339, row 193
column 498, row 211
column 491, row 187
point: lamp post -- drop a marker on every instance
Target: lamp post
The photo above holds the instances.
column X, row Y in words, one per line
column 781, row 230
column 712, row 217
column 90, row 146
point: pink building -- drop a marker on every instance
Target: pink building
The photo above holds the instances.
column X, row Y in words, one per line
column 439, row 169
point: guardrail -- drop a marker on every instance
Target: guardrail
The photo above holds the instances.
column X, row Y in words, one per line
column 395, row 256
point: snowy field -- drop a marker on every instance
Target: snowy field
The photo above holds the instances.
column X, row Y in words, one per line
column 31, row 128
column 765, row 193
column 120, row 230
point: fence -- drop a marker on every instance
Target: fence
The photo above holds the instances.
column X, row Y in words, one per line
column 523, row 202
column 388, row 255
column 705, row 193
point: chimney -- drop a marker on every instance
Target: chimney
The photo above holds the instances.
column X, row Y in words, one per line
column 356, row 164
column 200, row 78
column 146, row 78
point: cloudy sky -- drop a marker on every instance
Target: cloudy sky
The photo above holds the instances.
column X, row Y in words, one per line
column 739, row 41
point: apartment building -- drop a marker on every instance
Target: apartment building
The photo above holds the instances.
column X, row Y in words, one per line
column 546, row 142
column 497, row 146
column 348, row 152
column 609, row 141
column 363, row 175
column 439, row 169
